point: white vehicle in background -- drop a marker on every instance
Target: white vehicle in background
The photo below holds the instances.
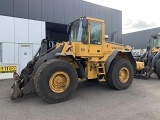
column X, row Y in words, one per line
column 138, row 52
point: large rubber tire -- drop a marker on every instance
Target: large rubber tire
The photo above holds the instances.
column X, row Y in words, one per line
column 158, row 68
column 154, row 69
column 43, row 75
column 113, row 74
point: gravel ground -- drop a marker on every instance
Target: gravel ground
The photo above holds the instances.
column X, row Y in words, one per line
column 92, row 101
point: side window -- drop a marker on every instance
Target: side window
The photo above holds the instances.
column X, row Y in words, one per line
column 96, row 32
column 0, row 52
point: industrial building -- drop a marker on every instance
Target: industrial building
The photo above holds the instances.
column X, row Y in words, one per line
column 139, row 39
column 24, row 23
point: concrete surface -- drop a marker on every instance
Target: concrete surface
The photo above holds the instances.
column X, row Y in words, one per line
column 91, row 101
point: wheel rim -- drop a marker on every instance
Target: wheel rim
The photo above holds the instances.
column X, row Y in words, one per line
column 59, row 82
column 124, row 75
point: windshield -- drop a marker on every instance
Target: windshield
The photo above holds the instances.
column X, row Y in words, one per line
column 156, row 41
column 78, row 33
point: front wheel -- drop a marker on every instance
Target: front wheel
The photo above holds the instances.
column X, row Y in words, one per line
column 56, row 81
column 120, row 74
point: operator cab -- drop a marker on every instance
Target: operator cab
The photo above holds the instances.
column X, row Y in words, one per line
column 86, row 31
column 87, row 34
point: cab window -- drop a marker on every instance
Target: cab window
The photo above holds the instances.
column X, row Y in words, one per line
column 96, row 33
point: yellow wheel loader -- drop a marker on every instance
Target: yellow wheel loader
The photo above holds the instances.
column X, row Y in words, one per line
column 149, row 62
column 55, row 70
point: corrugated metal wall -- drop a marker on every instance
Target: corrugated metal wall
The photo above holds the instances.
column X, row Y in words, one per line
column 63, row 11
column 139, row 40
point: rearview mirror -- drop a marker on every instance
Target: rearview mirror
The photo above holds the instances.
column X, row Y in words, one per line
column 69, row 28
column 85, row 23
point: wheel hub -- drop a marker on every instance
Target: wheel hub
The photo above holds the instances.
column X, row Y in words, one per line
column 59, row 82
column 124, row 75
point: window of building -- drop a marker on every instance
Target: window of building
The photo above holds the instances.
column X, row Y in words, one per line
column 0, row 52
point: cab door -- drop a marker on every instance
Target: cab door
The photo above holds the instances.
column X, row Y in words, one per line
column 95, row 38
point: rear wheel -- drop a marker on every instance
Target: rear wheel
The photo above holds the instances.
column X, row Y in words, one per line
column 158, row 68
column 56, row 81
column 120, row 74
column 154, row 69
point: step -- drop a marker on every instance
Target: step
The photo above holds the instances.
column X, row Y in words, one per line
column 101, row 73
column 100, row 67
column 101, row 80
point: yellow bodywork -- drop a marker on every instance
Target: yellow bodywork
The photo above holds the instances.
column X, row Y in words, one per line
column 139, row 65
column 155, row 50
column 96, row 54
column 95, row 59
column 124, row 75
column 59, row 82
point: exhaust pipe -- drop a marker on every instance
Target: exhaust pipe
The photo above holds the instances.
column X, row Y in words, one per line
column 112, row 35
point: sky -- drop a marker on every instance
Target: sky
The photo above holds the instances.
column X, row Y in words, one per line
column 137, row 15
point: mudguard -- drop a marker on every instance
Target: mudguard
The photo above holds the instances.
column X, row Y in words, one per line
column 51, row 55
column 80, row 70
column 113, row 55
